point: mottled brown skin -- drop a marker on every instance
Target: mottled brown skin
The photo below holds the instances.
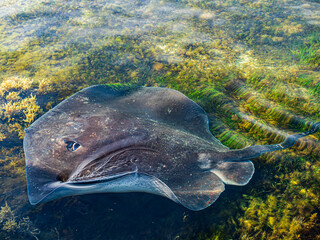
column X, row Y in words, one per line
column 132, row 139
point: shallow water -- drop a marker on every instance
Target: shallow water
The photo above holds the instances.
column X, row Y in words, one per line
column 252, row 65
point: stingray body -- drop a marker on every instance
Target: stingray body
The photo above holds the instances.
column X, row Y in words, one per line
column 146, row 139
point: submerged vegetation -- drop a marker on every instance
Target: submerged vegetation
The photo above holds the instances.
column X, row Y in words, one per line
column 252, row 65
column 290, row 214
column 12, row 227
column 308, row 52
column 19, row 106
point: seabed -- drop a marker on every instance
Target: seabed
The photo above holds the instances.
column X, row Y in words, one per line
column 252, row 65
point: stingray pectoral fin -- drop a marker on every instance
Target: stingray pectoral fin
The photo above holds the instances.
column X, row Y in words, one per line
column 199, row 191
column 234, row 173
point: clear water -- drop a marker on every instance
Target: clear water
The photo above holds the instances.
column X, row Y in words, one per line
column 252, row 65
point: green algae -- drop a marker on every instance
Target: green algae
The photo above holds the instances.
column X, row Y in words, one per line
column 290, row 214
column 14, row 227
column 18, row 109
column 252, row 65
column 308, row 52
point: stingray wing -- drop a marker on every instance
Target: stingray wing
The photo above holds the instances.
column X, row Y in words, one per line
column 162, row 105
column 200, row 189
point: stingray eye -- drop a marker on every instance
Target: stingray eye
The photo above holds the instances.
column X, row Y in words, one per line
column 72, row 145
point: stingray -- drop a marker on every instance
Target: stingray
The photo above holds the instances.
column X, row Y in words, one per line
column 134, row 139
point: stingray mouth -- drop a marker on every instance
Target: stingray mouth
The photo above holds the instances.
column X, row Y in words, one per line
column 102, row 169
column 99, row 180
column 109, row 166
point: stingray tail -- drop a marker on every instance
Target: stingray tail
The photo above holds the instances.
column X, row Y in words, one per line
column 257, row 150
column 236, row 169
